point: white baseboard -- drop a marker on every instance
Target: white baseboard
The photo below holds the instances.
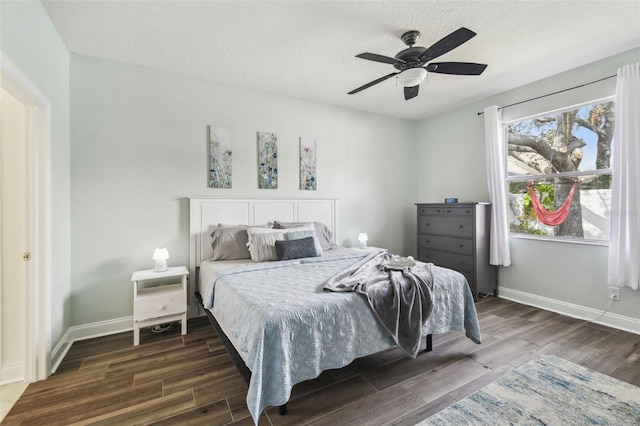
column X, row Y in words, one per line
column 87, row 331
column 620, row 322
column 12, row 373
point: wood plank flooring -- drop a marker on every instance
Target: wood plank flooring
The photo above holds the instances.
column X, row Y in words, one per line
column 190, row 380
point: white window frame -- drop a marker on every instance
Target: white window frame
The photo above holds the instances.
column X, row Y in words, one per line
column 519, row 178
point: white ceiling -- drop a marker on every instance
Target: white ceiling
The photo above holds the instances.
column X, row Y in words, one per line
column 306, row 49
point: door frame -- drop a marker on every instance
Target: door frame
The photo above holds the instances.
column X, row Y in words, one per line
column 38, row 170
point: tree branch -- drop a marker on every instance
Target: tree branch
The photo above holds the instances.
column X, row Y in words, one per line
column 539, row 145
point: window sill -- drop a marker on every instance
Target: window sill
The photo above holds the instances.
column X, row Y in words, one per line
column 560, row 240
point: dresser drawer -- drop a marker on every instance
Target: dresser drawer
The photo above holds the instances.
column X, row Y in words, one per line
column 159, row 302
column 455, row 226
column 459, row 262
column 446, row 210
column 458, row 211
column 455, row 245
column 431, row 210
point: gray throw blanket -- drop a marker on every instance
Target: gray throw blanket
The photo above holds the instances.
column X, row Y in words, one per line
column 399, row 296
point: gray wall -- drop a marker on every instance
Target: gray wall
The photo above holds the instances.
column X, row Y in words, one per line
column 452, row 164
column 30, row 41
column 139, row 148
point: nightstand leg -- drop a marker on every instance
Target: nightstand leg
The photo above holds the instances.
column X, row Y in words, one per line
column 136, row 334
column 184, row 323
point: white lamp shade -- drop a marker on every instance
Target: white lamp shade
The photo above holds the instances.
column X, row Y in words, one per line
column 412, row 76
column 160, row 255
column 362, row 238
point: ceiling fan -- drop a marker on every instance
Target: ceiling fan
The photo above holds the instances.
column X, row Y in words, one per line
column 411, row 62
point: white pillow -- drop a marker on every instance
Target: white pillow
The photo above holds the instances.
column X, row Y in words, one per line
column 262, row 242
column 323, row 233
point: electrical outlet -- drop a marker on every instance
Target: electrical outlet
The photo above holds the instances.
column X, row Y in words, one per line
column 614, row 293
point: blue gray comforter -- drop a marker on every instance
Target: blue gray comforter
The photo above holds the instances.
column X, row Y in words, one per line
column 291, row 330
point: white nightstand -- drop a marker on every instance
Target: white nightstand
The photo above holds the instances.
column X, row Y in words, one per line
column 159, row 304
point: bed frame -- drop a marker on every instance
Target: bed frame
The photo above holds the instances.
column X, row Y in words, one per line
column 206, row 213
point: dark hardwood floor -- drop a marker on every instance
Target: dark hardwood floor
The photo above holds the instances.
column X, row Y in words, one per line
column 190, row 380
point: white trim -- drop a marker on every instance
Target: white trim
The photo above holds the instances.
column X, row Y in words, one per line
column 588, row 242
column 620, row 322
column 12, row 373
column 88, row 331
column 38, row 291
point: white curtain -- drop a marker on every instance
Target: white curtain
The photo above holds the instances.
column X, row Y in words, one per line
column 496, row 164
column 624, row 242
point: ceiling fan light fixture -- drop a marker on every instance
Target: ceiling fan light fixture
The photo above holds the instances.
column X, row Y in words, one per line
column 412, row 76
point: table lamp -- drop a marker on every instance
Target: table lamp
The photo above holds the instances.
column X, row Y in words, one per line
column 160, row 255
column 362, row 237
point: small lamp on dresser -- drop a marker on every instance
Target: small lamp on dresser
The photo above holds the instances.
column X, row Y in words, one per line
column 160, row 255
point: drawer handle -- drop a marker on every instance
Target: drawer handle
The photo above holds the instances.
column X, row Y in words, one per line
column 428, row 224
column 461, row 245
column 468, row 211
column 461, row 226
column 428, row 241
column 448, row 211
column 161, row 308
column 438, row 211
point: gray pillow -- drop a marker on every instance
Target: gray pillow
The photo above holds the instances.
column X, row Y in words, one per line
column 322, row 231
column 298, row 233
column 230, row 242
column 295, row 249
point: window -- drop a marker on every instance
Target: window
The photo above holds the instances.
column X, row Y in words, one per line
column 560, row 162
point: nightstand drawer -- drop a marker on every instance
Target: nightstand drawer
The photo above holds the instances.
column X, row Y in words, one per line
column 455, row 245
column 160, row 301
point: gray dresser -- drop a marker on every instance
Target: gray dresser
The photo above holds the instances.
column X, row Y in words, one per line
column 456, row 236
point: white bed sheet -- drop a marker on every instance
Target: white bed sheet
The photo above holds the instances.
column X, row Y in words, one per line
column 209, row 268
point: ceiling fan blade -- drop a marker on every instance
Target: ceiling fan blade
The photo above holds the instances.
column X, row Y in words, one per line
column 380, row 58
column 456, row 68
column 373, row 83
column 447, row 44
column 410, row 92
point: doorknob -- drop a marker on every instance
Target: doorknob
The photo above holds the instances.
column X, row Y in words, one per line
column 26, row 256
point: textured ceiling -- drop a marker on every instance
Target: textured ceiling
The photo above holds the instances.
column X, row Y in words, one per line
column 306, row 49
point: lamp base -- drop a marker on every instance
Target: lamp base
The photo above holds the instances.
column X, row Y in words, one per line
column 363, row 244
column 161, row 266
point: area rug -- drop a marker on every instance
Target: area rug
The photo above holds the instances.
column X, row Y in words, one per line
column 547, row 391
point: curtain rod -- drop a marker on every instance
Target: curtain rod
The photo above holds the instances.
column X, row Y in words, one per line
column 554, row 93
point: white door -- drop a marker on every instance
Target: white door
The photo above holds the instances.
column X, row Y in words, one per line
column 13, row 232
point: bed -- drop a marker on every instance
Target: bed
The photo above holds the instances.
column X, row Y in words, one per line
column 277, row 321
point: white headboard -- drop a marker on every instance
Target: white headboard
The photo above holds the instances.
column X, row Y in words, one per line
column 206, row 213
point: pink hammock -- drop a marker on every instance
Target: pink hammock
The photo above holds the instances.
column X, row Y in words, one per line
column 552, row 218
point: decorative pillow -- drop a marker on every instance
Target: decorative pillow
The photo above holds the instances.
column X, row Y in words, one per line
column 295, row 249
column 322, row 231
column 304, row 233
column 230, row 242
column 262, row 243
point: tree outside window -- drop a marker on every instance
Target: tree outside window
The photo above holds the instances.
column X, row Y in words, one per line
column 552, row 153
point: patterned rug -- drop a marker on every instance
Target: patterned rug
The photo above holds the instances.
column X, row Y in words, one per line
column 547, row 391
